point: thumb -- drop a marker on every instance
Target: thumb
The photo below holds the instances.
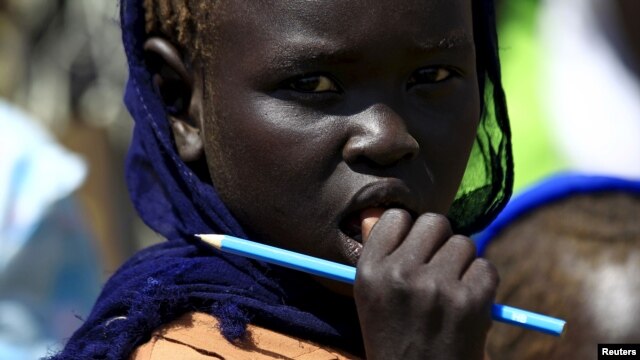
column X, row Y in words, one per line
column 369, row 218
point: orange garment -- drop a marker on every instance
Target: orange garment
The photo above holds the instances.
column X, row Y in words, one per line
column 196, row 336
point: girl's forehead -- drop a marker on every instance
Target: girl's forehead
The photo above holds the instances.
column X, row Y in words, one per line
column 331, row 18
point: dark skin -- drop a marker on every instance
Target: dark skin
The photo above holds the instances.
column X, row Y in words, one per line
column 319, row 120
column 578, row 257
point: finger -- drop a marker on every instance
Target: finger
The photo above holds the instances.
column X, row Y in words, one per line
column 428, row 234
column 385, row 233
column 455, row 255
column 483, row 278
column 368, row 219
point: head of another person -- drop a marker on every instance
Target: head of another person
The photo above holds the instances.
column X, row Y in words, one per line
column 305, row 113
column 578, row 259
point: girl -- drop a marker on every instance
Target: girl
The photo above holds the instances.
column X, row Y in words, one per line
column 301, row 124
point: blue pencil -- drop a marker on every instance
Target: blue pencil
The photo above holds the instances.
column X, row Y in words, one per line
column 347, row 274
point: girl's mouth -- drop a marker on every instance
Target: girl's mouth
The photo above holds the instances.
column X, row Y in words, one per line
column 358, row 224
column 351, row 226
column 367, row 206
column 356, row 229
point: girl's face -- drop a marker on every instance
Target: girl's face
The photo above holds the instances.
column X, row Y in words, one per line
column 317, row 110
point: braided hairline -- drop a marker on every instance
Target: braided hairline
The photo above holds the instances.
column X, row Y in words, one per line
column 175, row 20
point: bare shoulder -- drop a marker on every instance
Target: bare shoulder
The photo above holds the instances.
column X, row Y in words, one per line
column 196, row 336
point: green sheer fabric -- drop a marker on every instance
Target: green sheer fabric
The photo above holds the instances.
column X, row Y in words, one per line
column 487, row 183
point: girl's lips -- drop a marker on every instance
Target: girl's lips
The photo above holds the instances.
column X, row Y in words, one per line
column 371, row 201
column 359, row 229
column 358, row 225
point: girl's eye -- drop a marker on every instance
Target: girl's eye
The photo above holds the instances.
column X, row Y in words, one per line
column 429, row 75
column 314, row 84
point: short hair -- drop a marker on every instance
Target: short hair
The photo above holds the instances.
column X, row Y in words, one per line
column 554, row 260
column 181, row 22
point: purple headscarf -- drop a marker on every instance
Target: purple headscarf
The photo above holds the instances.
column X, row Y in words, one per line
column 178, row 276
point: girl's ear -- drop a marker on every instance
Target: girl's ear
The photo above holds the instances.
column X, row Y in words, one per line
column 180, row 94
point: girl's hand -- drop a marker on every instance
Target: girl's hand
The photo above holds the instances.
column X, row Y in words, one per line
column 421, row 292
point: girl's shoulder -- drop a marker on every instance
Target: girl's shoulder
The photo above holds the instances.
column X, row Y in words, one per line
column 197, row 336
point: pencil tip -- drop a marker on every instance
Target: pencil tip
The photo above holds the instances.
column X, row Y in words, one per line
column 214, row 240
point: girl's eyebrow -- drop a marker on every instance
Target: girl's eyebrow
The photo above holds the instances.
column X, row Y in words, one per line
column 300, row 51
column 451, row 41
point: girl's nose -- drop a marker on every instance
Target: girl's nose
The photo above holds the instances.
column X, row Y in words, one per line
column 379, row 137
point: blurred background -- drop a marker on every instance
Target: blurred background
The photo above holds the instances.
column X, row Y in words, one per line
column 570, row 73
column 66, row 222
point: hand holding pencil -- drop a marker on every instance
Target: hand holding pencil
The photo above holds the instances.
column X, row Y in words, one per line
column 417, row 286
